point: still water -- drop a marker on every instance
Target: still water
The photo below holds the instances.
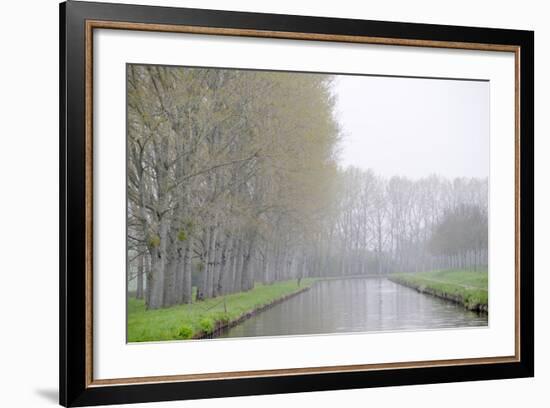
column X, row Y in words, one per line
column 356, row 305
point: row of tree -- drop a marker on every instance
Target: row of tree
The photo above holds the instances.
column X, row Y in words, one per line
column 228, row 175
column 233, row 179
column 402, row 225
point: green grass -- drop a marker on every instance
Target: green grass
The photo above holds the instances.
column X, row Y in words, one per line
column 187, row 321
column 464, row 286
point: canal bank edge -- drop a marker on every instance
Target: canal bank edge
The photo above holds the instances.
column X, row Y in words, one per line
column 458, row 298
column 221, row 326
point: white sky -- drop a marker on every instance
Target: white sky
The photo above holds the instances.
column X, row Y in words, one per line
column 414, row 127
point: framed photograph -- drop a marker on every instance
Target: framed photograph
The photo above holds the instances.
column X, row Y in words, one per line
column 256, row 203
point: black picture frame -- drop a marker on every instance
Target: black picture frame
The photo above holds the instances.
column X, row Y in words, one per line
column 75, row 387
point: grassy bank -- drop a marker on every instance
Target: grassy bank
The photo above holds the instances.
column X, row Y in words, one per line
column 203, row 318
column 468, row 288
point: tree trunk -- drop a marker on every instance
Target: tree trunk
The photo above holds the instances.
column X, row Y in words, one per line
column 156, row 281
column 211, row 262
column 238, row 266
column 187, row 286
column 140, row 272
column 203, row 281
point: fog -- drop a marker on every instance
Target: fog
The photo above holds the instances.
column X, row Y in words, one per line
column 232, row 180
column 414, row 127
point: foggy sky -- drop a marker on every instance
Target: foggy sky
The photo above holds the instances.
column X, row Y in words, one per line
column 414, row 127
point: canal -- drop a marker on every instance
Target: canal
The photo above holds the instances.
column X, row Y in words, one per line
column 356, row 305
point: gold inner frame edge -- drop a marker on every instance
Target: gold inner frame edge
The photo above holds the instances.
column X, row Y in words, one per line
column 119, row 25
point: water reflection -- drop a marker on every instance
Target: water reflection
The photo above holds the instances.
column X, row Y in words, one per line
column 356, row 305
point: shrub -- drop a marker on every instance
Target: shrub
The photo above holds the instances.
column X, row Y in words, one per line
column 185, row 332
column 207, row 325
column 223, row 317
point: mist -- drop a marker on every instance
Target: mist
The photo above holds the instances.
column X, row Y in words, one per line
column 414, row 127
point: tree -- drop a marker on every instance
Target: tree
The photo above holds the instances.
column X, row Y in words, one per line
column 233, row 179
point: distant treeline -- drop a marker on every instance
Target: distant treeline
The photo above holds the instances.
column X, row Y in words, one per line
column 233, row 179
column 402, row 225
